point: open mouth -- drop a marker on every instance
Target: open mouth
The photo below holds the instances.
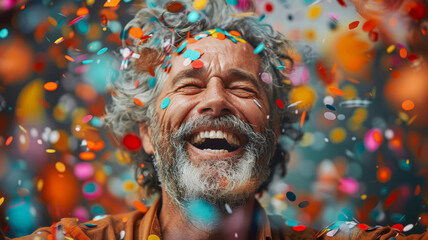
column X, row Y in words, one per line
column 216, row 141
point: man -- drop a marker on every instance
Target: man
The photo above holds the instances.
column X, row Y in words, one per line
column 206, row 92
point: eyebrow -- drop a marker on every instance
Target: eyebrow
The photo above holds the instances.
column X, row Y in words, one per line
column 231, row 73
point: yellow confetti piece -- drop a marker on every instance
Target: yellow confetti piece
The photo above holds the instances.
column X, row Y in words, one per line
column 52, row 21
column 314, row 12
column 60, row 167
column 153, row 237
column 40, row 184
column 411, row 120
column 363, row 197
column 22, row 128
column 50, row 150
column 1, row 201
column 59, row 40
column 200, row 4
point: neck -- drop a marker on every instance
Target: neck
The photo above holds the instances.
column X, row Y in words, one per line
column 174, row 224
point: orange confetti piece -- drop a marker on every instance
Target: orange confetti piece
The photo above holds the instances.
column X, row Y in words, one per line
column 111, row 3
column 152, row 71
column 336, row 91
column 352, row 80
column 417, row 190
column 403, row 53
column 95, row 146
column 9, row 140
column 334, row 68
column 353, row 25
column 408, row 105
column 140, row 206
column 200, row 51
column 221, row 36
column 69, row 58
column 50, row 86
column 412, row 120
column 392, row 22
column 235, row 33
column 86, row 155
column 191, row 40
column 82, row 11
column 369, row 25
column 302, row 119
column 124, row 220
column 136, row 32
column 136, row 83
column 138, row 102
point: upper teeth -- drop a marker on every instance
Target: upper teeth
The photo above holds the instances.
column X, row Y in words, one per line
column 201, row 136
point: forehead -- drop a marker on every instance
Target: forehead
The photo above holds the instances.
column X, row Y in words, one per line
column 219, row 55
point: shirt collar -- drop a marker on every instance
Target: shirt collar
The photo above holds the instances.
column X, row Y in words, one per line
column 150, row 223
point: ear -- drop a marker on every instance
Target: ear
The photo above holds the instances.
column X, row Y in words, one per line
column 146, row 137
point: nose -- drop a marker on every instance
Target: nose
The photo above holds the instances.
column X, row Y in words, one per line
column 214, row 100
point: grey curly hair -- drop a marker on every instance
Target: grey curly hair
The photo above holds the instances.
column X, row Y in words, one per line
column 163, row 32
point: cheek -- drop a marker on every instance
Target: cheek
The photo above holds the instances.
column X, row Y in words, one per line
column 255, row 115
column 176, row 113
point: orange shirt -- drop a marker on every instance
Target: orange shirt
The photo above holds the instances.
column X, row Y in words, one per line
column 145, row 226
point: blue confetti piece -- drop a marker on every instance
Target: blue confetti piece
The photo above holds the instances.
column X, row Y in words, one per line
column 193, row 16
column 165, row 103
column 259, row 48
column 87, row 61
column 291, row 196
column 152, row 82
column 280, row 67
column 124, row 34
column 102, row 50
column 90, row 225
column 4, row 32
column 182, row 46
column 187, row 53
column 262, row 17
column 194, row 55
column 232, row 2
column 330, row 107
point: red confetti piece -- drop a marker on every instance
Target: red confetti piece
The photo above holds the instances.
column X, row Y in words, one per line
column 353, row 25
column 417, row 190
column 299, row 228
column 174, row 6
column 280, row 103
column 197, row 64
column 76, row 20
column 9, row 140
column 412, row 57
column 363, row 226
column 392, row 198
column 370, row 25
column 132, row 142
column 136, row 83
column 140, row 206
column 302, row 119
column 417, row 10
column 325, row 75
column 269, row 7
column 374, row 36
column 152, row 71
column 398, row 227
column 336, row 91
column 342, row 3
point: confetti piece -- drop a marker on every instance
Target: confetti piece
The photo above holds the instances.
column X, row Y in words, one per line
column 76, row 20
column 136, row 32
column 200, row 4
column 342, row 3
column 174, row 7
column 330, row 116
column 87, row 118
column 336, row 91
column 403, row 53
column 398, row 227
column 314, row 12
column 91, row 225
column 132, row 142
column 138, row 102
column 352, row 80
column 299, row 228
column 86, row 156
column 353, row 25
column 4, row 32
column 60, row 167
column 153, row 237
column 69, row 58
column 257, row 103
column 82, row 11
column 197, row 64
column 194, row 55
column 1, row 200
column 407, row 228
column 228, row 209
column 59, row 40
column 390, row 49
column 259, row 48
column 193, row 16
column 140, row 206
column 291, row 196
column 333, row 70
column 279, row 103
column 369, row 25
column 266, row 77
column 9, row 140
column 303, row 204
column 102, row 50
column 235, row 33
column 182, row 46
column 50, row 86
column 363, row 226
column 412, row 57
column 302, row 119
column 411, row 120
column 50, row 150
column 111, row 3
column 232, row 2
column 408, row 105
column 165, row 103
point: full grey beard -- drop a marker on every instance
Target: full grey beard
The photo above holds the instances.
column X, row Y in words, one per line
column 231, row 181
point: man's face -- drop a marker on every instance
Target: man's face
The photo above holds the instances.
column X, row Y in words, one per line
column 213, row 140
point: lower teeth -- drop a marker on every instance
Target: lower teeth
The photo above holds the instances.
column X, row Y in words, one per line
column 216, row 150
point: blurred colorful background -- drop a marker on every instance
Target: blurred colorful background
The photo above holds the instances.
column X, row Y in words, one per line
column 363, row 83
